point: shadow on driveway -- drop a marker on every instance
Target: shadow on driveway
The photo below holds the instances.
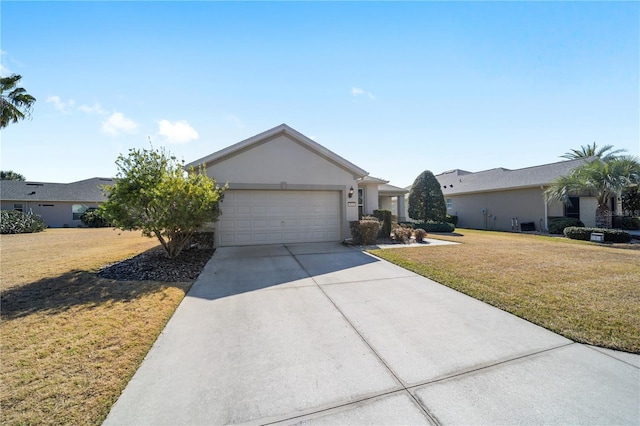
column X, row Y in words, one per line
column 228, row 275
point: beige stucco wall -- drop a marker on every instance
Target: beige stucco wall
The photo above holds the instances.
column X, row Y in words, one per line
column 527, row 205
column 284, row 164
column 55, row 214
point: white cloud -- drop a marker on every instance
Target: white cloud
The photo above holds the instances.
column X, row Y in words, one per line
column 59, row 104
column 177, row 132
column 117, row 123
column 92, row 109
column 356, row 91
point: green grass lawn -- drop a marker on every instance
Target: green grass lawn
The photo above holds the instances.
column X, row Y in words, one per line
column 587, row 292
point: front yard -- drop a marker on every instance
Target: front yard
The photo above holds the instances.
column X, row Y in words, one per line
column 587, row 292
column 71, row 340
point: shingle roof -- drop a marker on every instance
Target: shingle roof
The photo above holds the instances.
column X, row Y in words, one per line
column 82, row 191
column 462, row 182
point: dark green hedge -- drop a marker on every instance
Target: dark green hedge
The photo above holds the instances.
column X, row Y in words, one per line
column 626, row 222
column 557, row 224
column 610, row 235
column 435, row 226
column 452, row 219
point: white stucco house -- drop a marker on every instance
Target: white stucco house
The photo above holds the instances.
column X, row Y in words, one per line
column 59, row 204
column 505, row 199
column 284, row 187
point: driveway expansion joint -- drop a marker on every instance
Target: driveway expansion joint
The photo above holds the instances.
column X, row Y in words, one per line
column 364, row 340
column 474, row 370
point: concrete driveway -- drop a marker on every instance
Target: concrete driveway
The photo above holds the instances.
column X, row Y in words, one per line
column 327, row 334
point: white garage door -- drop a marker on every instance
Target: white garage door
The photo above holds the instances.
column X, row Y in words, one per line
column 273, row 217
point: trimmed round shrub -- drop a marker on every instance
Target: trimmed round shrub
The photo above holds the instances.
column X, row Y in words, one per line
column 452, row 219
column 558, row 224
column 94, row 218
column 610, row 235
column 419, row 235
column 402, row 234
column 365, row 231
column 16, row 222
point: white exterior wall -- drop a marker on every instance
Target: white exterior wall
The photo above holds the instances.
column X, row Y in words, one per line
column 386, row 203
column 284, row 164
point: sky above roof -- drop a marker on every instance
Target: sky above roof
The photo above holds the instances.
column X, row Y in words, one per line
column 395, row 88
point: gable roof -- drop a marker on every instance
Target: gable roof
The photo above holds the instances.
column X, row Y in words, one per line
column 272, row 133
column 462, row 182
column 88, row 190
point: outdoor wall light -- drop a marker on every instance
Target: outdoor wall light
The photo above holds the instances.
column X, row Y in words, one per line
column 351, row 192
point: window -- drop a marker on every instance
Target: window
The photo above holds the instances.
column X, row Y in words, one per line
column 77, row 210
column 573, row 209
column 449, row 203
column 360, row 202
column 19, row 207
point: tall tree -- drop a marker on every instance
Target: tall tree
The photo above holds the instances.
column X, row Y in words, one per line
column 10, row 175
column 15, row 102
column 599, row 179
column 426, row 201
column 155, row 194
column 604, row 153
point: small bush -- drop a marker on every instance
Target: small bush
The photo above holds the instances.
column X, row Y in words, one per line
column 610, row 235
column 15, row 222
column 419, row 235
column 626, row 222
column 435, row 226
column 402, row 234
column 558, row 224
column 452, row 219
column 365, row 231
column 384, row 216
column 94, row 218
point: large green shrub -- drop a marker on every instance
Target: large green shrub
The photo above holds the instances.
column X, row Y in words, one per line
column 452, row 219
column 365, row 231
column 626, row 222
column 94, row 218
column 431, row 226
column 16, row 222
column 384, row 216
column 610, row 235
column 558, row 224
column 426, row 201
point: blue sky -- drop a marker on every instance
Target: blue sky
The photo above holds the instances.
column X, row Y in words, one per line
column 396, row 88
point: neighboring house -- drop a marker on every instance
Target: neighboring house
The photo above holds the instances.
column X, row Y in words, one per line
column 286, row 188
column 504, row 199
column 59, row 204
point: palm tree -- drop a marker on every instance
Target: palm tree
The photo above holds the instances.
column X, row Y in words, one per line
column 16, row 103
column 593, row 151
column 600, row 179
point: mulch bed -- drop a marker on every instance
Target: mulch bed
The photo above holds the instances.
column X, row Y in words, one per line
column 154, row 265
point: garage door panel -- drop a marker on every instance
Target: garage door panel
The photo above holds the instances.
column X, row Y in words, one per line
column 270, row 217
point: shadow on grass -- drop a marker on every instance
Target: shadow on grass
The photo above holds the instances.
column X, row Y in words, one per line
column 74, row 288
